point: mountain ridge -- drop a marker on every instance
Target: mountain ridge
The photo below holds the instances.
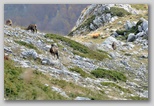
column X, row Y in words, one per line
column 55, row 18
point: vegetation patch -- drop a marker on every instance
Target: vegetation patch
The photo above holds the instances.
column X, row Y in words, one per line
column 79, row 48
column 73, row 90
column 139, row 6
column 109, row 74
column 30, row 46
column 137, row 98
column 110, row 84
column 116, row 11
column 17, row 87
column 80, row 71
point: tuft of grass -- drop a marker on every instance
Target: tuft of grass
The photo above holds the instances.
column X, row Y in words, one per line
column 21, row 88
column 137, row 98
column 116, row 11
column 109, row 74
column 30, row 46
column 81, row 72
column 79, row 48
column 110, row 84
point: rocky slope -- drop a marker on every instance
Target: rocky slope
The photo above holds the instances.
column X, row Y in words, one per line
column 79, row 74
column 98, row 15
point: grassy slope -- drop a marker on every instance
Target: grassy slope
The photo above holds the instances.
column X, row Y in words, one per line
column 28, row 84
column 27, row 87
column 79, row 48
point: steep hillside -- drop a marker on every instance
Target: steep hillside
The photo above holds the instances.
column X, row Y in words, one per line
column 100, row 15
column 56, row 18
column 88, row 67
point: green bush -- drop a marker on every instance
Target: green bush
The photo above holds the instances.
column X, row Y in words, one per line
column 109, row 74
column 120, row 32
column 79, row 48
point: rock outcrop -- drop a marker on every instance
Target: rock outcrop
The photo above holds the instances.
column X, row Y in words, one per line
column 99, row 15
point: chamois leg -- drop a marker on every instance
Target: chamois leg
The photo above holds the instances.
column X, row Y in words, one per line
column 57, row 55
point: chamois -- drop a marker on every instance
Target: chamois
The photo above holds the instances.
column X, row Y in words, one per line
column 9, row 22
column 54, row 50
column 114, row 45
column 32, row 27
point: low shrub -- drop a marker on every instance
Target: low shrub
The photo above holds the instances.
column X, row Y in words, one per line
column 109, row 74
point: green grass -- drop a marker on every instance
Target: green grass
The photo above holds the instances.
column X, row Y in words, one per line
column 137, row 98
column 81, row 72
column 109, row 74
column 110, row 84
column 139, row 6
column 79, row 48
column 116, row 11
column 16, row 88
column 30, row 46
column 73, row 90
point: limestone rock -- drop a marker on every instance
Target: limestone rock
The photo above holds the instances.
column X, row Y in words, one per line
column 131, row 37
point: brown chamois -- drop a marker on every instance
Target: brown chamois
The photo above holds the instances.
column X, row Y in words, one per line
column 54, row 50
column 32, row 27
column 114, row 46
column 9, row 22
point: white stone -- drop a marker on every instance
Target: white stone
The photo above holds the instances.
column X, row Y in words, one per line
column 81, row 98
column 131, row 37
